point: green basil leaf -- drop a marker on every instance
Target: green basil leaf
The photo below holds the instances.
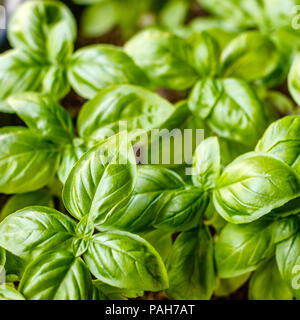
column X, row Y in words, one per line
column 133, row 19
column 102, row 291
column 9, row 293
column 112, row 254
column 27, row 161
column 14, row 266
column 98, row 295
column 2, row 258
column 46, row 28
column 222, row 31
column 230, row 108
column 84, row 231
column 153, row 188
column 161, row 199
column 57, row 276
column 206, row 54
column 140, row 108
column 278, row 104
column 213, row 219
column 166, row 58
column 182, row 211
column 241, row 248
column 182, row 118
column 20, row 201
column 71, row 154
column 99, row 66
column 55, row 82
column 173, row 14
column 19, row 72
column 240, row 59
column 231, row 150
column 294, row 79
column 278, row 76
column 233, row 10
column 80, row 246
column 290, row 208
column 31, row 231
column 208, row 24
column 230, row 285
column 191, row 266
column 207, row 164
column 44, row 116
column 98, row 19
column 2, row 266
column 251, row 186
column 288, row 261
column 267, row 284
column 85, row 227
column 282, row 139
column 43, row 34
column 284, row 228
column 101, row 179
column 161, row 242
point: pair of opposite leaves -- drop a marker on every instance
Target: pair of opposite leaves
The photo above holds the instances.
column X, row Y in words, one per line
column 52, row 244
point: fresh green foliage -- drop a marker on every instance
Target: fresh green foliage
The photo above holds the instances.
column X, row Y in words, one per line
column 160, row 199
column 248, row 187
column 287, row 257
column 294, row 79
column 167, row 59
column 100, row 200
column 226, row 105
column 207, row 164
column 191, row 266
column 9, row 293
column 102, row 16
column 242, row 195
column 230, row 285
column 237, row 57
column 49, row 240
column 25, row 157
column 221, row 79
column 241, row 248
column 272, row 17
column 42, row 34
column 99, row 66
column 49, row 144
column 267, row 284
column 20, row 201
column 138, row 108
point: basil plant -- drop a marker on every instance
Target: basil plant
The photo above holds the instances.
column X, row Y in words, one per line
column 121, row 208
column 91, row 213
column 275, row 18
column 258, row 195
column 60, row 254
column 30, row 156
column 42, row 36
column 224, row 84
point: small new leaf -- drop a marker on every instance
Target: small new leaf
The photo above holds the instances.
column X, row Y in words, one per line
column 207, row 164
